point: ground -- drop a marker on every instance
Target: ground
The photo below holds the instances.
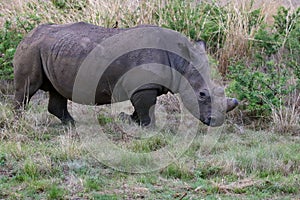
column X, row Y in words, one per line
column 41, row 159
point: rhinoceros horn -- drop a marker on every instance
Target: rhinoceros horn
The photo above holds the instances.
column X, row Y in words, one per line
column 231, row 104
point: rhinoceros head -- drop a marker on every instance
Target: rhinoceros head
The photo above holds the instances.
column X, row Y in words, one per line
column 213, row 106
column 212, row 102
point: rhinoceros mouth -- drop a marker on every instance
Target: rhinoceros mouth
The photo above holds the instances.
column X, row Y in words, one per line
column 213, row 121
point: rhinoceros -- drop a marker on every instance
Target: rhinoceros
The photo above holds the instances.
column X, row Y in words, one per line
column 50, row 56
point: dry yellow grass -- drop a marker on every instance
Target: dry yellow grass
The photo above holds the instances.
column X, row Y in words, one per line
column 286, row 118
column 104, row 13
column 130, row 11
column 269, row 7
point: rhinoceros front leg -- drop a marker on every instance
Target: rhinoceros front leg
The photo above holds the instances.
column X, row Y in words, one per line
column 58, row 107
column 144, row 103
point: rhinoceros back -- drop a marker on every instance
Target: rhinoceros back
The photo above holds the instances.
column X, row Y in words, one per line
column 64, row 47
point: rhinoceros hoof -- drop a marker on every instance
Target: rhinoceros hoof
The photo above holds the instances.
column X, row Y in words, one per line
column 125, row 118
column 130, row 119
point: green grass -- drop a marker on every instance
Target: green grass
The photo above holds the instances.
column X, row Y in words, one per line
column 252, row 165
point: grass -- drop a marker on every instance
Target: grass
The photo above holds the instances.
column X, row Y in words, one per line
column 49, row 163
column 286, row 118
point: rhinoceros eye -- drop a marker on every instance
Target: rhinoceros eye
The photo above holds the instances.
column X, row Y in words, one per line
column 203, row 95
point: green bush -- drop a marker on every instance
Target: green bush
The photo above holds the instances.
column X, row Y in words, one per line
column 265, row 81
column 293, row 45
column 261, row 86
column 10, row 36
column 197, row 21
column 9, row 40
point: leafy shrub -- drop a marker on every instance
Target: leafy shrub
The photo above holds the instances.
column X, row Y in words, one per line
column 196, row 20
column 266, row 80
column 9, row 40
column 226, row 29
column 260, row 89
column 292, row 58
column 10, row 36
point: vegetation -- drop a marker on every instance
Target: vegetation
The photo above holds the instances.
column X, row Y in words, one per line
column 254, row 51
column 41, row 159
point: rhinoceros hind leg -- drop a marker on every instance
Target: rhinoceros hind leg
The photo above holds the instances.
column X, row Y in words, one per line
column 58, row 107
column 144, row 103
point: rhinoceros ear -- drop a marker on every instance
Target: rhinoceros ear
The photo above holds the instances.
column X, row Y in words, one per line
column 201, row 44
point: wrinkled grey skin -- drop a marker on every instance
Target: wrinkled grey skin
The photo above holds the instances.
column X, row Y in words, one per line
column 50, row 56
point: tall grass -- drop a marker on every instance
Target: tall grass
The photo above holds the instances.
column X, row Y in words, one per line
column 104, row 13
column 236, row 19
column 286, row 118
